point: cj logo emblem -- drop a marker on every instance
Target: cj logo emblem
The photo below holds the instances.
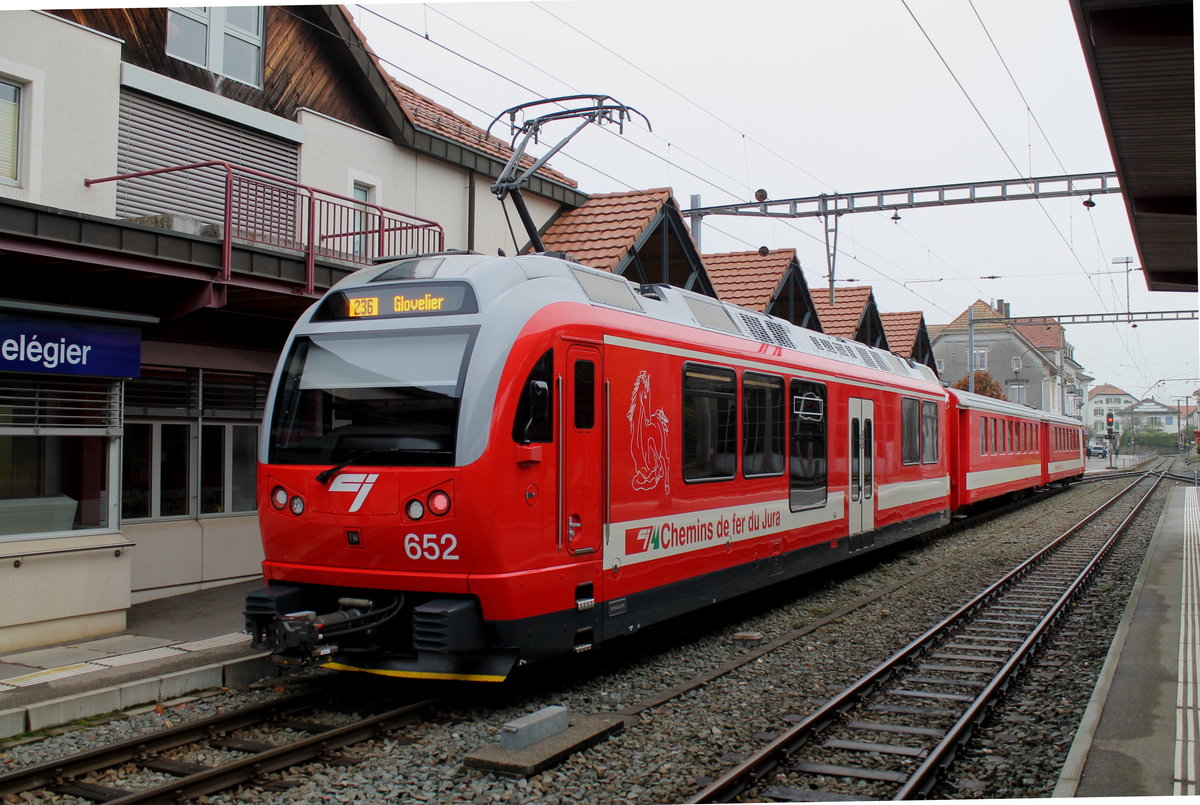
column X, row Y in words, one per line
column 359, row 482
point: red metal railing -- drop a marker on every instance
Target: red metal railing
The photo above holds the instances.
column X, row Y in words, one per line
column 267, row 210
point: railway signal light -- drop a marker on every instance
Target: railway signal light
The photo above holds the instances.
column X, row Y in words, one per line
column 1108, row 423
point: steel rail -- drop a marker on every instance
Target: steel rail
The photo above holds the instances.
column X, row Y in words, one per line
column 922, row 780
column 253, row 766
column 761, row 763
column 60, row 770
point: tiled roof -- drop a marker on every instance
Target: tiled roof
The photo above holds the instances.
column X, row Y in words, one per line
column 1107, row 390
column 1042, row 336
column 983, row 311
column 748, row 279
column 901, row 330
column 429, row 116
column 843, row 317
column 433, row 117
column 934, row 330
column 602, row 231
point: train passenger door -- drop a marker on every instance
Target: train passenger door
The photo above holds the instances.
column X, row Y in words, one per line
column 582, row 462
column 862, row 473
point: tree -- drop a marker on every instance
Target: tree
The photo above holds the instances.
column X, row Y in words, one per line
column 985, row 384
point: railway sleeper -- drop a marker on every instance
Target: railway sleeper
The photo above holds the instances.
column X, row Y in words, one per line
column 853, row 772
column 931, row 694
column 947, row 682
column 883, row 749
column 974, row 647
column 902, row 729
column 783, row 794
column 177, row 768
column 910, row 710
column 957, row 669
column 93, row 792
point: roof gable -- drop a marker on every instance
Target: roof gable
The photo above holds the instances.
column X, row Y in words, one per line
column 749, row 279
column 853, row 315
column 765, row 280
column 637, row 233
column 1107, row 390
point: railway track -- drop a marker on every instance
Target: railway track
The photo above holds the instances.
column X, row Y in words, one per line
column 285, row 718
column 891, row 733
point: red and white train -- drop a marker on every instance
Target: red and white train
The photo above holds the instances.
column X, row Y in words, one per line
column 471, row 462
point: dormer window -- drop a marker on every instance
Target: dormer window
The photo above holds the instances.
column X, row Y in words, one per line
column 224, row 40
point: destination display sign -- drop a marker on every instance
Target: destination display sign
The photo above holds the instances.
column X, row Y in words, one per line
column 409, row 300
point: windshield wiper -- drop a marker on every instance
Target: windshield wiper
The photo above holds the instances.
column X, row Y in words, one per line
column 325, row 475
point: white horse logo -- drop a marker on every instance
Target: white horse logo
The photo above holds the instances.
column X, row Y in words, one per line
column 648, row 439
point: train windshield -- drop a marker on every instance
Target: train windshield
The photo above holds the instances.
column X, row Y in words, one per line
column 384, row 399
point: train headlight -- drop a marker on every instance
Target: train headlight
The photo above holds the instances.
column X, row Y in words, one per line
column 439, row 502
column 414, row 509
column 279, row 497
column 296, row 504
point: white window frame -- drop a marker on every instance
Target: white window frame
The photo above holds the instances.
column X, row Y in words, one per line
column 154, row 492
column 216, row 27
column 980, row 360
column 227, row 469
column 21, row 105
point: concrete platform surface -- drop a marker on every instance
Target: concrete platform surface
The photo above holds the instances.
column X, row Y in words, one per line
column 171, row 646
column 1140, row 735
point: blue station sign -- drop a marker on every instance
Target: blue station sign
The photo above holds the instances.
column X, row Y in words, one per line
column 30, row 344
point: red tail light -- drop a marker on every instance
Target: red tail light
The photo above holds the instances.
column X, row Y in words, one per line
column 439, row 502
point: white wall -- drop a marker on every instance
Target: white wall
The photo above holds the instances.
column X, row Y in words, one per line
column 335, row 155
column 71, row 81
column 62, row 589
column 182, row 556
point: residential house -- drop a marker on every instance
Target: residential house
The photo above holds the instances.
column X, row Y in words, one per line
column 1033, row 363
column 159, row 302
column 1103, row 400
column 1148, row 416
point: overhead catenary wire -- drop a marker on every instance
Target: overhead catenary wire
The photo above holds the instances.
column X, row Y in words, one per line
column 674, row 148
column 1050, row 145
column 636, row 145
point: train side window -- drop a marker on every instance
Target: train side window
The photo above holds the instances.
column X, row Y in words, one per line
column 585, row 395
column 910, row 429
column 929, row 432
column 534, row 421
column 709, row 423
column 807, row 465
column 983, row 436
column 762, row 425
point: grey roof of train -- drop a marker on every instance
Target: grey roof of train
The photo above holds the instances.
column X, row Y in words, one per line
column 491, row 276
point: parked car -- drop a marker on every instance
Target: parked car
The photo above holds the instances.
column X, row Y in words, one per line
column 1096, row 451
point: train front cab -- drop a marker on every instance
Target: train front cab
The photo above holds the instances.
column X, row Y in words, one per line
column 432, row 529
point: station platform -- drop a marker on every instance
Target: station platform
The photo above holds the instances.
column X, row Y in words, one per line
column 1140, row 734
column 171, row 647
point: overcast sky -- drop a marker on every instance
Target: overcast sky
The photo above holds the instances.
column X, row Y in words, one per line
column 802, row 97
